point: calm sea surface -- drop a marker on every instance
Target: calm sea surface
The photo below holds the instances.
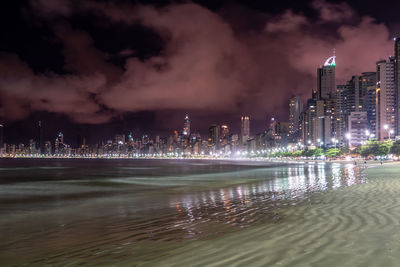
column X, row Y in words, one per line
column 196, row 212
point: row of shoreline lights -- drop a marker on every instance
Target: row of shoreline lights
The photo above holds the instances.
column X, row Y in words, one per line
column 348, row 136
column 369, row 135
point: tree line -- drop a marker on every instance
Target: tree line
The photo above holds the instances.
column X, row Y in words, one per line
column 371, row 148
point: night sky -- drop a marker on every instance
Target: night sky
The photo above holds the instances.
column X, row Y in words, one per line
column 97, row 68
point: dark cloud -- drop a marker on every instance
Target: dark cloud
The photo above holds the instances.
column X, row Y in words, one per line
column 22, row 92
column 81, row 56
column 52, row 8
column 334, row 12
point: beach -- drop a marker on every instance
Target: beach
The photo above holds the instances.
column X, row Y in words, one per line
column 196, row 213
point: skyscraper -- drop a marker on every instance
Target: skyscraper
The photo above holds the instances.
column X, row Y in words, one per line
column 224, row 134
column 367, row 80
column 47, row 148
column 186, row 126
column 59, row 143
column 368, row 89
column 353, row 94
column 357, row 89
column 340, row 118
column 397, row 81
column 214, row 135
column 224, row 131
column 309, row 120
column 295, row 110
column 245, row 129
column 386, row 98
column 323, row 122
column 326, row 78
column 61, row 138
column 357, row 128
column 326, row 86
column 370, row 106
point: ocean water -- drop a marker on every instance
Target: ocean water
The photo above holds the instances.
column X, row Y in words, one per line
column 197, row 213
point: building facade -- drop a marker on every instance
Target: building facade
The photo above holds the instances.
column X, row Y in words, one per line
column 385, row 98
column 326, row 84
column 397, row 81
column 295, row 110
column 357, row 128
column 244, row 129
column 186, row 126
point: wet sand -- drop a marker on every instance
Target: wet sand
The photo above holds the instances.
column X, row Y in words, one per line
column 212, row 215
column 350, row 226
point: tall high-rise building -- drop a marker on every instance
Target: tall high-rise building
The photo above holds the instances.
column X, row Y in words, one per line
column 47, row 148
column 353, row 95
column 224, row 131
column 386, row 98
column 326, row 84
column 326, row 87
column 367, row 80
column 397, row 81
column 357, row 95
column 59, row 143
column 309, row 120
column 224, row 134
column 368, row 88
column 357, row 89
column 323, row 122
column 186, row 126
column 357, row 128
column 295, row 110
column 244, row 128
column 61, row 138
column 341, row 113
column 272, row 126
column 214, row 135
column 370, row 107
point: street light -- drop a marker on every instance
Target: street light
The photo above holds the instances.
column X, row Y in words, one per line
column 348, row 137
column 390, row 131
column 319, row 141
column 368, row 134
column 334, row 141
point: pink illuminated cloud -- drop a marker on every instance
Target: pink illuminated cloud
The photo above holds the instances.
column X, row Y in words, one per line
column 204, row 65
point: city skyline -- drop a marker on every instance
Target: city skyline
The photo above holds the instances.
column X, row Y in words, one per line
column 335, row 116
column 246, row 74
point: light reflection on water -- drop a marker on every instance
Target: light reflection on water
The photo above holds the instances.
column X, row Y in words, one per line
column 141, row 213
column 245, row 205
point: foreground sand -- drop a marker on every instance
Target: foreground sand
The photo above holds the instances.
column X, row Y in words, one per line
column 351, row 226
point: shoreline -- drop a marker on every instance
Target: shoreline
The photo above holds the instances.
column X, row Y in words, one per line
column 358, row 161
